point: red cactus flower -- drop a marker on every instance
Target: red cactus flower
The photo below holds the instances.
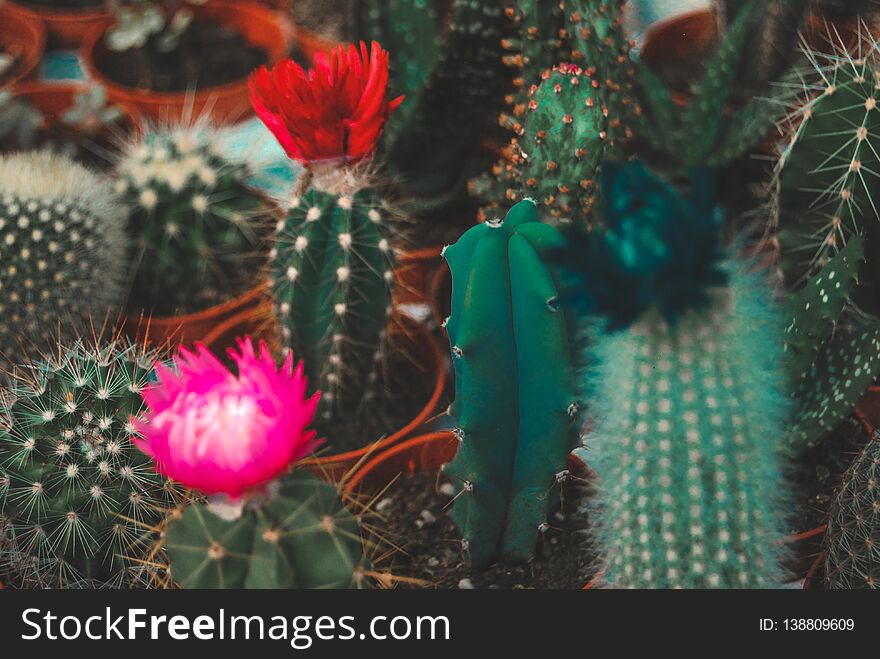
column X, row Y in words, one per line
column 334, row 111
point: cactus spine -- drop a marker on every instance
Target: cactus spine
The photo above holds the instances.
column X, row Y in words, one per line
column 195, row 225
column 300, row 537
column 332, row 276
column 79, row 503
column 687, row 449
column 62, row 250
column 852, row 540
column 514, row 397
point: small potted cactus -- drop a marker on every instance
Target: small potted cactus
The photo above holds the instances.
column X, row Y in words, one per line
column 197, row 230
column 331, row 270
column 154, row 52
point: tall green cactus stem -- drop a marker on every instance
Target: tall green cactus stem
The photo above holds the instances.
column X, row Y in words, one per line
column 332, row 277
column 62, row 251
column 852, row 540
column 826, row 178
column 514, row 399
column 687, row 449
column 195, row 225
column 79, row 502
column 300, row 537
column 563, row 144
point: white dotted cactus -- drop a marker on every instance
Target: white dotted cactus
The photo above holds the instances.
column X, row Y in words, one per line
column 62, row 250
column 687, row 447
column 195, row 224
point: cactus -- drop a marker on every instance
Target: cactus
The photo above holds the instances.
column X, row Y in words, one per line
column 195, row 225
column 62, row 250
column 514, row 399
column 687, row 449
column 826, row 189
column 300, row 537
column 852, row 539
column 332, row 276
column 79, row 503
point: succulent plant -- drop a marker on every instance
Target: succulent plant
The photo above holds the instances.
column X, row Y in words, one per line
column 852, row 539
column 19, row 122
column 79, row 503
column 300, row 536
column 62, row 250
column 196, row 226
column 137, row 21
column 514, row 402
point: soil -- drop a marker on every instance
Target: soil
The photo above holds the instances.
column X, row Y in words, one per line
column 413, row 515
column 63, row 5
column 208, row 55
column 406, row 384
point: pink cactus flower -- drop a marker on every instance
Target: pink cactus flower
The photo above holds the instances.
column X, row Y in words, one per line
column 216, row 432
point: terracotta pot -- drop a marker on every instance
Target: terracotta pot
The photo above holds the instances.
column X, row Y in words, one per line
column 54, row 99
column 676, row 38
column 343, row 466
column 224, row 103
column 23, row 37
column 199, row 326
column 66, row 28
column 413, row 275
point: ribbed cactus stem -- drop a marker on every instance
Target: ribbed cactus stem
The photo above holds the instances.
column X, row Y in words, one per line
column 514, row 399
column 687, row 447
column 332, row 278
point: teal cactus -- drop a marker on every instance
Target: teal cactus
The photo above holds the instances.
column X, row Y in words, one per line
column 299, row 537
column 852, row 539
column 826, row 186
column 687, row 446
column 196, row 226
column 62, row 251
column 514, row 400
column 564, row 141
column 332, row 278
column 79, row 503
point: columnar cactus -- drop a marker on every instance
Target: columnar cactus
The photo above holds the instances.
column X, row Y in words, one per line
column 331, row 277
column 62, row 250
column 514, row 401
column 300, row 537
column 687, row 448
column 79, row 503
column 852, row 540
column 195, row 224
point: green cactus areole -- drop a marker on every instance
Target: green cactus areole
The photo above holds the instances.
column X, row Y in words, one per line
column 687, row 448
column 514, row 397
column 300, row 537
column 79, row 502
column 62, row 250
column 331, row 276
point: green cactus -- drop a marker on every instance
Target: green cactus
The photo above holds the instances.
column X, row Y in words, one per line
column 195, row 224
column 79, row 502
column 826, row 184
column 62, row 251
column 300, row 537
column 687, row 446
column 514, row 402
column 564, row 142
column 852, row 539
column 332, row 277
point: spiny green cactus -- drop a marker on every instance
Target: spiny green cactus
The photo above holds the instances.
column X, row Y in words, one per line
column 687, row 445
column 332, row 277
column 826, row 185
column 300, row 537
column 62, row 250
column 564, row 142
column 79, row 502
column 195, row 225
column 852, row 540
column 456, row 109
column 514, row 401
